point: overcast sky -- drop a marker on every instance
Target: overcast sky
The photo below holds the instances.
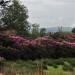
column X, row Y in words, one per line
column 51, row 13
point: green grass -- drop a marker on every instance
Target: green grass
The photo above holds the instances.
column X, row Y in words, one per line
column 20, row 64
column 18, row 67
column 58, row 71
column 54, row 67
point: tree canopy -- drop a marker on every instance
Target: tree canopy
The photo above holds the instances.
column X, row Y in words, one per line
column 15, row 17
column 43, row 32
column 73, row 30
column 35, row 30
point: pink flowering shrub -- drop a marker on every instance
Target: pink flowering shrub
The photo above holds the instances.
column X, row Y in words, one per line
column 17, row 47
column 21, row 41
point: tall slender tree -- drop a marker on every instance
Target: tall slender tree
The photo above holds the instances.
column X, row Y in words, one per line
column 35, row 30
column 43, row 31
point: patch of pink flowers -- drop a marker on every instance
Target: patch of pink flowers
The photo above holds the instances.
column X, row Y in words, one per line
column 42, row 41
column 70, row 44
column 38, row 41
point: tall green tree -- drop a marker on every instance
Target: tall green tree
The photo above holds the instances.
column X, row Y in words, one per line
column 60, row 29
column 3, row 5
column 16, row 18
column 42, row 31
column 35, row 30
column 73, row 30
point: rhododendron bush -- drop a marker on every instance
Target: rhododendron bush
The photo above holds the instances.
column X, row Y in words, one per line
column 17, row 47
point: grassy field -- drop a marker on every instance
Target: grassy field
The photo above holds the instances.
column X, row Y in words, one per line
column 39, row 67
column 59, row 71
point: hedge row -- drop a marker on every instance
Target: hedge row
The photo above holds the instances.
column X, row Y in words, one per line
column 37, row 52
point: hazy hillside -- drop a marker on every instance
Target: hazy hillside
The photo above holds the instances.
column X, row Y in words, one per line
column 55, row 29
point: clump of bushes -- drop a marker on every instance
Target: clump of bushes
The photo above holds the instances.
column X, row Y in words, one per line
column 17, row 47
column 68, row 67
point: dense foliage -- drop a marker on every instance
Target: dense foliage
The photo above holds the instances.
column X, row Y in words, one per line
column 54, row 45
column 17, row 47
column 15, row 17
column 73, row 30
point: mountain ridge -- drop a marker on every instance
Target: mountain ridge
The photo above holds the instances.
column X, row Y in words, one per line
column 55, row 29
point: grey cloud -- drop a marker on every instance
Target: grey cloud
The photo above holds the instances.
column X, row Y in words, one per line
column 51, row 12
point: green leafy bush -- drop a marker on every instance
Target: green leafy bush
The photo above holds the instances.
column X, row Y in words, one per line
column 67, row 67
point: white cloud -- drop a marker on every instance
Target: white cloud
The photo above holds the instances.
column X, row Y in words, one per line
column 53, row 2
column 51, row 12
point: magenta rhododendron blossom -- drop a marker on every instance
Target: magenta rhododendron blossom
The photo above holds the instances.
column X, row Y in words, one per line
column 70, row 44
column 39, row 41
column 19, row 42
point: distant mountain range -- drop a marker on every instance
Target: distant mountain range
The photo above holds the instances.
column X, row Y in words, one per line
column 55, row 29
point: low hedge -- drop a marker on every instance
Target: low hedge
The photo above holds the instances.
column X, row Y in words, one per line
column 31, row 52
